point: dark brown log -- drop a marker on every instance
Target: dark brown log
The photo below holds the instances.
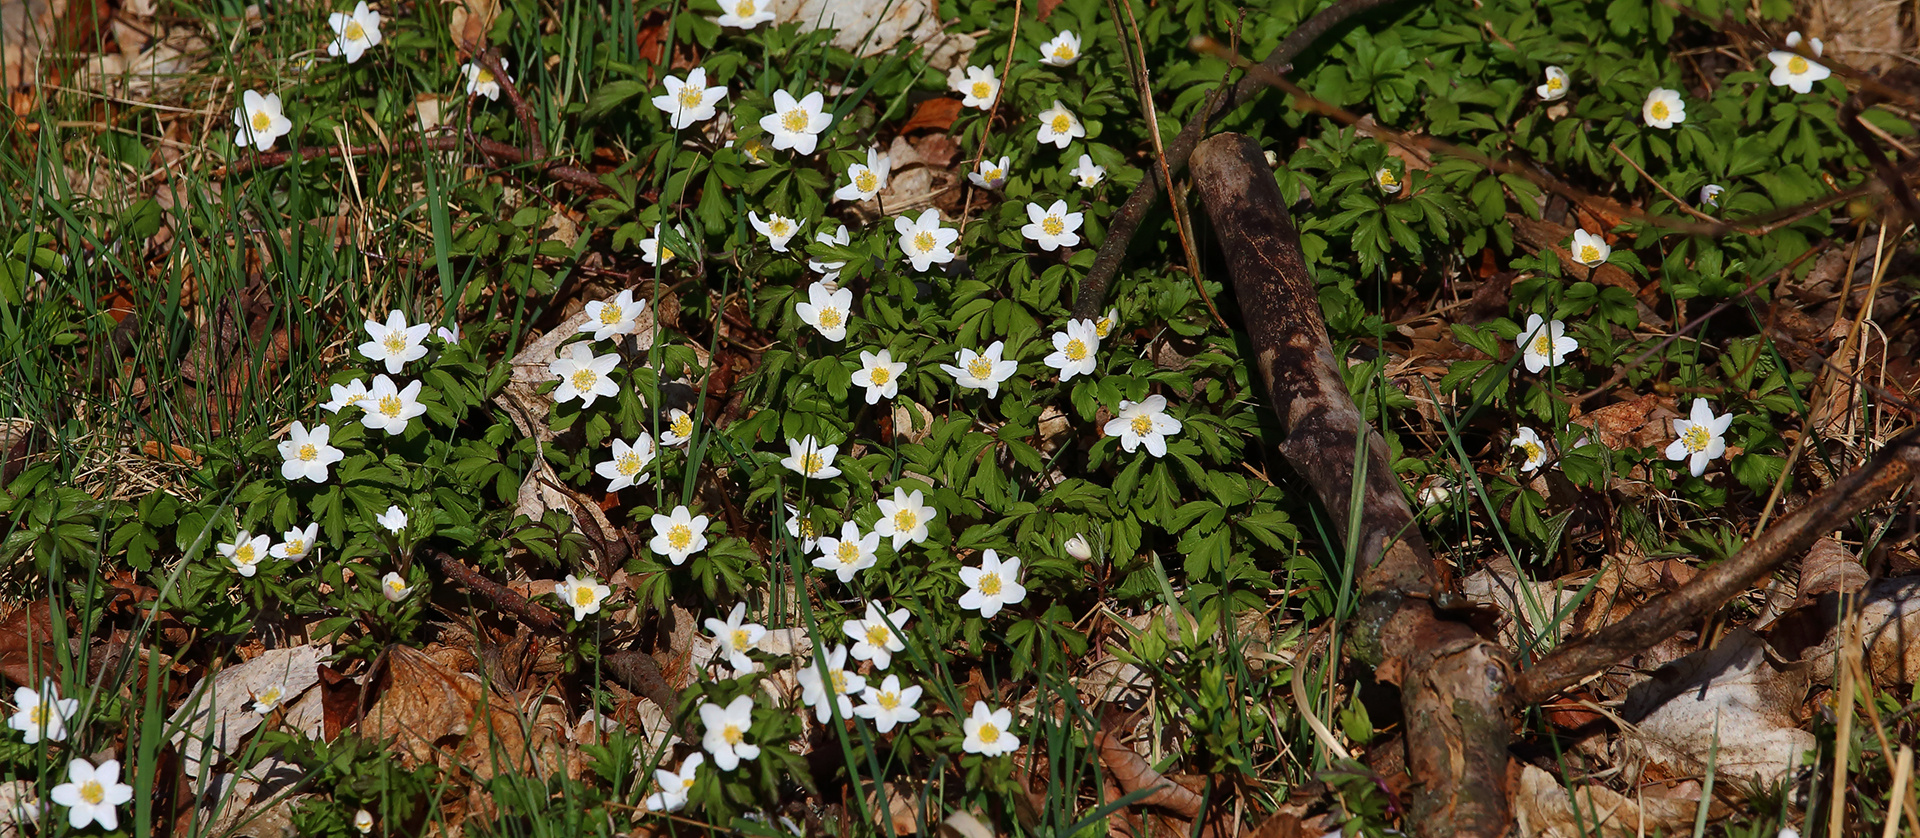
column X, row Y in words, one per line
column 1453, row 682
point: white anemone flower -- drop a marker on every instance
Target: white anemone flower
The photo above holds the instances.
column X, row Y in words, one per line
column 991, row 174
column 615, row 315
column 1532, row 447
column 977, row 86
column 1052, row 227
column 982, row 370
column 877, row 636
column 394, row 587
column 880, row 374
column 827, row 309
column 679, row 428
column 260, row 119
column 1087, row 174
column 830, row 271
column 864, row 181
column 297, row 543
column 42, row 714
column 809, row 459
column 737, row 637
column 245, row 551
column 1589, row 249
column 448, row 334
column 394, row 519
column 354, row 33
column 1062, row 50
column 267, row 699
column 1555, row 87
column 91, row 793
column 1059, row 126
column 924, row 241
column 583, row 375
column 480, row 80
column 1663, row 108
column 584, row 594
column 1075, row 350
column 395, row 343
column 1791, row 69
column 691, row 101
column 363, row 821
column 306, row 454
column 801, row 528
column 744, row 14
column 1103, row 327
column 889, row 704
column 1544, row 343
column 814, row 691
column 1710, row 195
column 1702, row 437
column 674, row 785
column 904, row 518
column 1078, row 547
column 656, row 252
column 679, row 534
column 778, row 228
column 391, row 407
column 351, row 393
column 629, row 464
column 1384, row 178
column 1145, row 421
column 987, row 731
column 796, row 123
column 992, row 585
column 850, row 553
column 726, row 732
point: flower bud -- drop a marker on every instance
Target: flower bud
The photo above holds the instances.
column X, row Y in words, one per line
column 1078, row 547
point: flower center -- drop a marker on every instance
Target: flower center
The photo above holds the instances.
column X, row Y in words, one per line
column 584, row 379
column 1589, row 253
column 1103, row 326
column 1696, row 439
column 982, row 90
column 396, row 585
column 888, row 701
column 1141, row 426
column 261, row 121
column 867, row 181
column 733, row 734
column 1796, row 65
column 296, row 547
column 830, row 318
column 309, row 453
column 690, row 98
column 1076, row 350
column 812, row 463
column 989, row 734
column 686, row 783
column 1063, row 52
column 92, row 792
column 848, row 552
column 354, row 31
column 996, row 174
column 990, row 584
column 629, row 464
column 980, row 368
column 880, row 376
column 395, row 342
column 1532, row 450
column 795, row 120
column 390, row 406
column 905, row 520
column 781, row 227
column 243, row 554
column 40, row 714
column 1053, row 226
column 611, row 314
column 1555, row 83
column 878, row 635
column 740, row 641
column 583, row 595
column 483, row 78
column 744, row 8
column 1659, row 110
column 1062, row 124
column 839, row 677
column 807, row 530
column 923, row 241
column 679, row 536
column 682, row 425
column 1542, row 345
column 1387, row 178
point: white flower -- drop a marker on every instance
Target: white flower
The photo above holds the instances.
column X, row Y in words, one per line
column 354, row 33
column 1589, row 249
column 880, row 374
column 992, row 585
column 1530, row 445
column 1143, row 421
column 1663, row 108
column 583, row 375
column 265, row 700
column 727, row 732
column 801, row 528
column 904, row 518
column 1556, row 86
column 615, row 315
column 1088, row 174
column 888, row 705
column 1544, row 343
column 1079, row 548
column 777, row 228
column 245, row 551
column 42, row 713
column 813, row 691
column 736, row 637
column 690, row 101
column 260, row 120
column 1710, row 194
column 394, row 519
column 657, row 253
column 363, row 821
column 808, row 458
column 90, row 794
column 752, row 149
column 296, row 544
column 877, row 637
column 991, row 175
column 744, row 14
column 391, row 407
column 351, row 393
column 1788, row 831
column 796, row 124
column 1440, row 491
column 850, row 553
column 830, row 271
column 679, row 428
column 1791, row 69
column 924, row 241
column 1384, row 178
column 1052, row 227
column 982, row 370
column 584, row 594
column 987, row 731
column 1064, row 49
column 828, row 308
column 306, row 453
column 1075, row 350
column 1104, row 326
column 394, row 587
column 629, row 464
column 395, row 343
column 1702, row 437
column 448, row 334
column 679, row 535
column 1059, row 126
column 976, row 85
column 480, row 80
column 674, row 785
column 866, row 181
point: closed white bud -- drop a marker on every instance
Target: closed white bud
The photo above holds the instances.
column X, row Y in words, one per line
column 1078, row 547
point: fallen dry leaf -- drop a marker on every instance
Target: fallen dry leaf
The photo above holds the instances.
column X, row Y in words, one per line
column 871, row 27
column 1544, row 808
column 210, row 726
column 469, row 20
column 1734, row 704
column 433, row 714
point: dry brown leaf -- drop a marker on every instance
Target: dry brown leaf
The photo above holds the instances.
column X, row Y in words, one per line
column 932, row 115
column 1734, row 704
column 1544, row 808
column 26, row 644
column 432, row 713
column 871, row 27
column 1830, row 568
column 469, row 20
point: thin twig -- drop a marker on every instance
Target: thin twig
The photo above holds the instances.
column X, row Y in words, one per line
column 986, row 130
column 536, row 148
column 1683, row 205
